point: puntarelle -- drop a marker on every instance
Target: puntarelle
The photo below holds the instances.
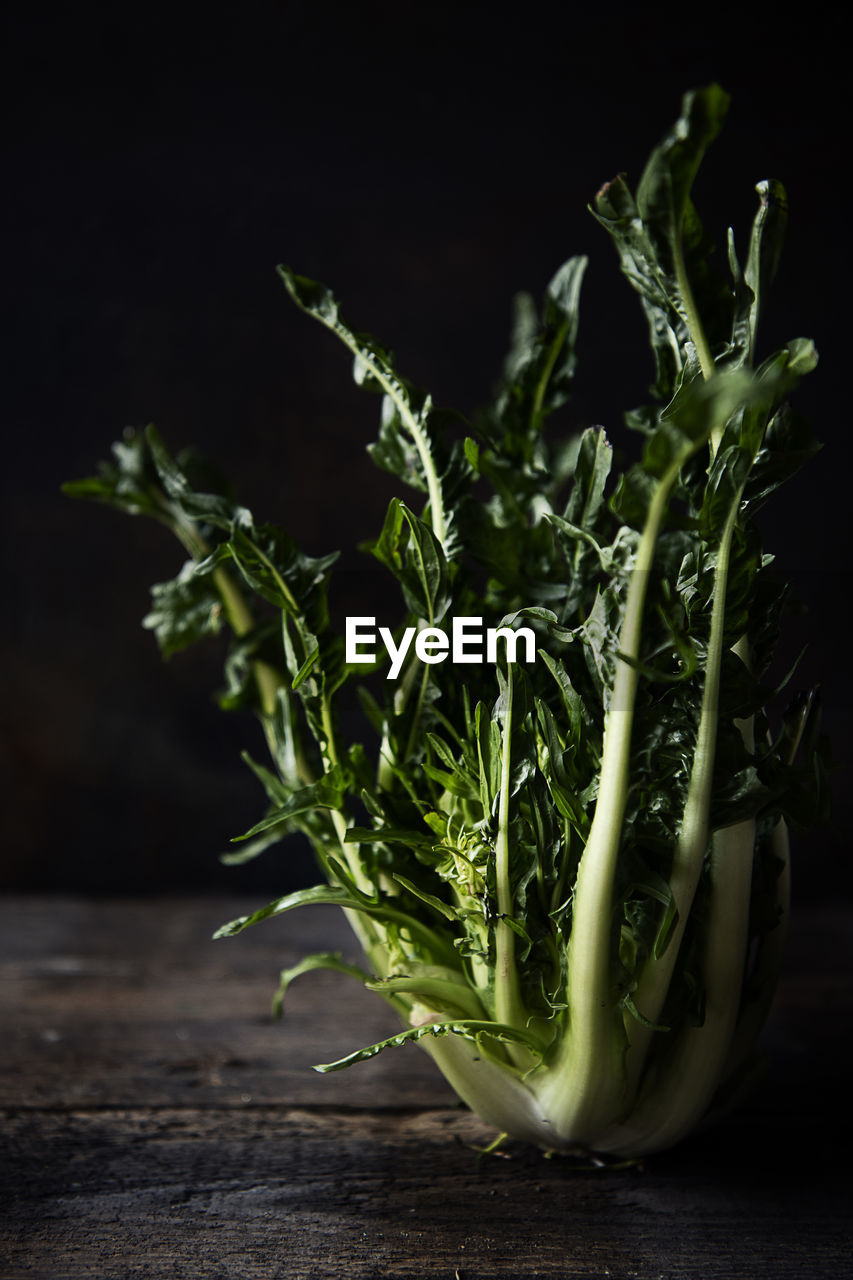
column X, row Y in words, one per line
column 571, row 882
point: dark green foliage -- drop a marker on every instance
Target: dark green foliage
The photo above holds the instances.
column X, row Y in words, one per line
column 466, row 821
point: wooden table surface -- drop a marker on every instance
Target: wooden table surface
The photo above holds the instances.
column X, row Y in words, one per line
column 158, row 1123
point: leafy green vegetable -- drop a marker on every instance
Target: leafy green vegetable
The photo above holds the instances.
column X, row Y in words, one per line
column 569, row 876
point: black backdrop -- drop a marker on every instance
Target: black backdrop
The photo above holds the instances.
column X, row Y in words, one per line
column 427, row 161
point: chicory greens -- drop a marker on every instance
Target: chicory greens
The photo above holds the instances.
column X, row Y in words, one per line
column 569, row 877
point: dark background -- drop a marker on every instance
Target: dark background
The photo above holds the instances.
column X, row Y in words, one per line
column 427, row 161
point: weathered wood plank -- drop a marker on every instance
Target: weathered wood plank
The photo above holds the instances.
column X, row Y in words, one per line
column 266, row 1193
column 131, row 1003
column 157, row 1124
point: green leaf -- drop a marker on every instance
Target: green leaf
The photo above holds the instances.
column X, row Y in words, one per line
column 277, row 791
column 488, row 738
column 662, row 245
column 326, row 793
column 670, row 219
column 306, row 668
column 207, row 508
column 410, row 549
column 441, row 908
column 406, row 836
column 663, row 193
column 442, row 990
column 274, row 567
column 322, row 894
column 129, row 483
column 184, row 610
column 469, row 1028
column 628, row 1003
column 586, row 501
column 765, row 247
column 339, row 896
column 788, row 444
column 252, row 848
column 240, row 690
column 407, row 445
column 540, row 368
column 309, row 964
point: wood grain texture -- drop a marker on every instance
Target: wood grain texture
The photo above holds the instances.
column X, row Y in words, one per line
column 132, row 1003
column 156, row 1124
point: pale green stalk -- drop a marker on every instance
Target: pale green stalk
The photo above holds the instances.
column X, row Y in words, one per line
column 692, row 844
column 684, row 1089
column 492, row 1091
column 764, row 973
column 241, row 620
column 585, row 1088
column 730, row 872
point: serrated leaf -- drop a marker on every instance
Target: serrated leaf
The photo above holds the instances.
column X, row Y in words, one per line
column 407, row 445
column 208, row 508
column 410, row 549
column 252, row 848
column 468, row 1028
column 326, row 793
column 184, row 610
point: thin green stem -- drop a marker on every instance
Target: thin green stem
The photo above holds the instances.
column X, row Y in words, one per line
column 545, row 376
column 236, row 610
column 508, row 1005
column 279, row 580
column 416, row 715
column 241, row 621
column 392, row 388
